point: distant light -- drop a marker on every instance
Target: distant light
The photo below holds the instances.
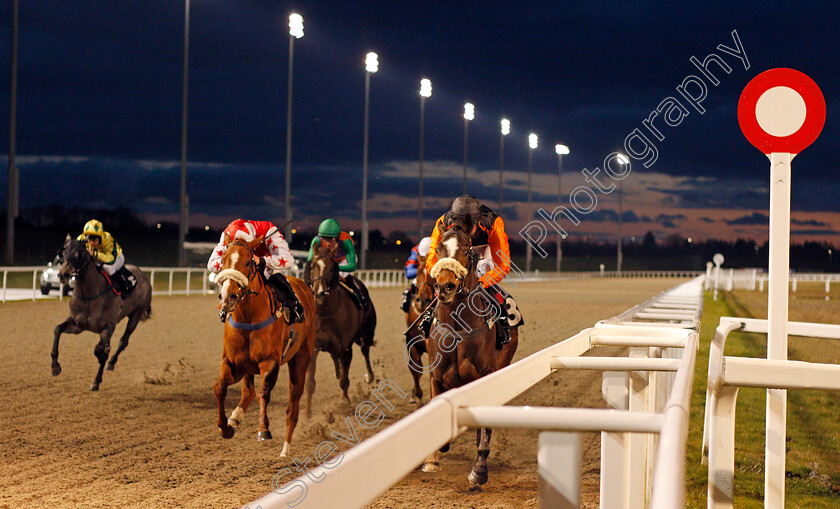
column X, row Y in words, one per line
column 352, row 233
column 622, row 159
column 207, row 228
column 158, row 225
column 399, row 242
column 372, row 62
column 532, row 140
column 425, row 87
column 505, row 126
column 561, row 149
column 829, row 251
column 633, row 239
column 469, row 111
column 296, row 25
column 294, row 230
column 689, row 240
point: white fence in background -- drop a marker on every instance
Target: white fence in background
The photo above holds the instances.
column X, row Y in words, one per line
column 753, row 280
column 643, row 433
column 182, row 280
column 728, row 374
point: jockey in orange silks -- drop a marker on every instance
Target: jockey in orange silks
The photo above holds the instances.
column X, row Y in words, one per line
column 490, row 242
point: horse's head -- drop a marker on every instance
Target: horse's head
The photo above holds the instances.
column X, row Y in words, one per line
column 73, row 256
column 455, row 263
column 239, row 266
column 425, row 286
column 323, row 273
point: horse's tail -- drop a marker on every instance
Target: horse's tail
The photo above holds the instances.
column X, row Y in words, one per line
column 147, row 312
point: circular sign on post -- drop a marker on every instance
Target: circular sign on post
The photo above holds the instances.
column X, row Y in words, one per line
column 781, row 110
column 718, row 259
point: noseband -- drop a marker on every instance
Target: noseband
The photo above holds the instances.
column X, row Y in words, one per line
column 252, row 270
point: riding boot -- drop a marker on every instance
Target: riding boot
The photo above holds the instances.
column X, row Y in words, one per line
column 408, row 296
column 117, row 283
column 360, row 293
column 286, row 295
column 502, row 332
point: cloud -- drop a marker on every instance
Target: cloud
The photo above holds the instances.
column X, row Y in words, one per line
column 756, row 218
column 808, row 222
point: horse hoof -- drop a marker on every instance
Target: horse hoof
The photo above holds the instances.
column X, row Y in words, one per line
column 431, row 466
column 286, row 450
column 56, row 370
column 263, row 435
column 94, row 386
column 412, row 400
column 233, row 423
column 227, row 432
column 368, row 377
column 477, row 478
column 445, row 448
column 109, row 367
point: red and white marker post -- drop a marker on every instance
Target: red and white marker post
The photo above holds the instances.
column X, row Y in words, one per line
column 781, row 112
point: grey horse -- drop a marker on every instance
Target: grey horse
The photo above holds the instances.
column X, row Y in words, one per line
column 95, row 307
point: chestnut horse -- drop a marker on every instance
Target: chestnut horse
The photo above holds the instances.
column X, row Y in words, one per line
column 463, row 338
column 424, row 296
column 256, row 342
column 96, row 308
column 340, row 322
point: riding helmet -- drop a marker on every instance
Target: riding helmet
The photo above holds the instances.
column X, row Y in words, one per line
column 329, row 228
column 466, row 205
column 93, row 227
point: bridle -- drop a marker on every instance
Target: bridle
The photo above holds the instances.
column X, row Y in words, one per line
column 251, row 265
column 83, row 254
column 329, row 283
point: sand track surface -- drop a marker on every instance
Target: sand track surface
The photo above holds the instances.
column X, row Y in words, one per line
column 148, row 438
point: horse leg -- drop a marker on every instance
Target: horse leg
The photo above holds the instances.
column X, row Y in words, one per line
column 417, row 395
column 133, row 320
column 366, row 352
column 478, row 475
column 103, row 348
column 310, row 383
column 344, row 381
column 269, row 369
column 432, row 463
column 336, row 364
column 226, row 378
column 68, row 326
column 297, row 379
column 238, row 414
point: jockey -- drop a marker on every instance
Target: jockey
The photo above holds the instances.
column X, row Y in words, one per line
column 411, row 266
column 490, row 242
column 330, row 235
column 274, row 255
column 108, row 256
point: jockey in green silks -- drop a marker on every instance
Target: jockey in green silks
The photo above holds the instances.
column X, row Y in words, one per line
column 331, row 236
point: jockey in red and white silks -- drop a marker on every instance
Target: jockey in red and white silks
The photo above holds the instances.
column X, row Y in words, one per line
column 274, row 249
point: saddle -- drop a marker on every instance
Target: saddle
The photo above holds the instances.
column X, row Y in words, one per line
column 122, row 282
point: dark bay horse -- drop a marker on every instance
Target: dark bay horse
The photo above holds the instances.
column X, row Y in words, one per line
column 256, row 342
column 463, row 337
column 340, row 322
column 95, row 307
column 422, row 298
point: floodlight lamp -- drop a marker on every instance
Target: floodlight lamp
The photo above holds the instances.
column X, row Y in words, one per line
column 296, row 25
column 561, row 149
column 469, row 111
column 425, row 87
column 622, row 159
column 505, row 126
column 371, row 62
column 532, row 140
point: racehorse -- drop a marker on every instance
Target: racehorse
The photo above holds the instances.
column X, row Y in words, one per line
column 463, row 338
column 424, row 296
column 340, row 322
column 257, row 342
column 95, row 307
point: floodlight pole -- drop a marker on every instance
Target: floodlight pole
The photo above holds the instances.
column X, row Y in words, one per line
column 11, row 209
column 182, row 225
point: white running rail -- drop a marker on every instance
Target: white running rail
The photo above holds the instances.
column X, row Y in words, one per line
column 643, row 434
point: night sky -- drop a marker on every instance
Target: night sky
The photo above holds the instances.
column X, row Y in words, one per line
column 99, row 108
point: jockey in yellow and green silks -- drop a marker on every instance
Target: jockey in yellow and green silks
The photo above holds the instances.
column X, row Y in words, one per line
column 108, row 256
